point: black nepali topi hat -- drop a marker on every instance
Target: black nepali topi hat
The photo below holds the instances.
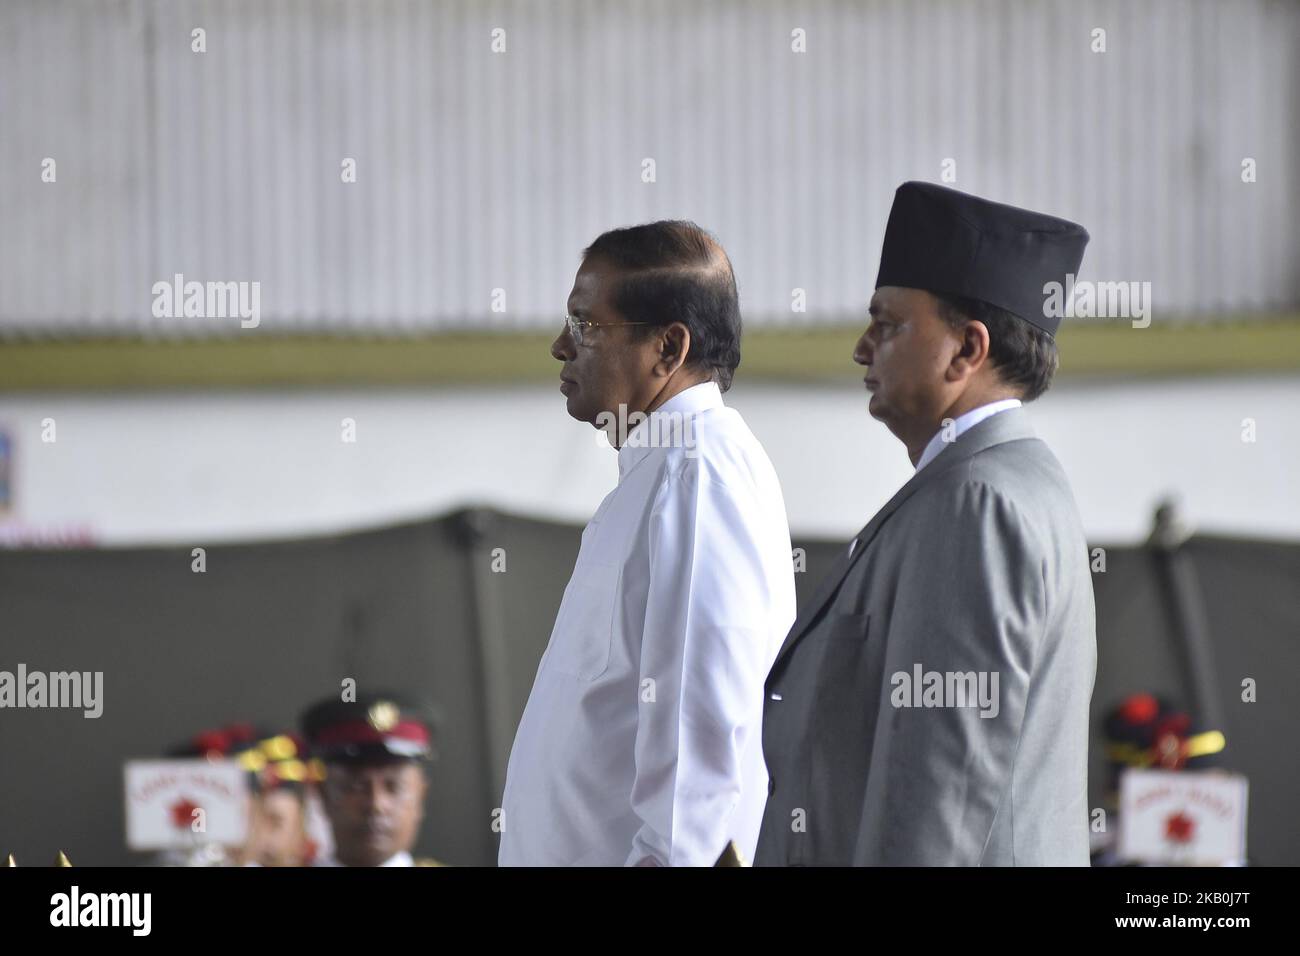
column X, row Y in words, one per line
column 954, row 244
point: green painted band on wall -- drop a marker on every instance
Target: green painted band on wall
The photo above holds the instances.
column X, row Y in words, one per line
column 786, row 355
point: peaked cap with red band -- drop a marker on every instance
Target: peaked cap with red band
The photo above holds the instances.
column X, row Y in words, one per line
column 368, row 728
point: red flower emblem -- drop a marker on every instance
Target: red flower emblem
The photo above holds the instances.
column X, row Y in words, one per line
column 1179, row 827
column 183, row 812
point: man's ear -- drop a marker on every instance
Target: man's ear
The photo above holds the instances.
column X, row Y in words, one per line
column 674, row 347
column 972, row 350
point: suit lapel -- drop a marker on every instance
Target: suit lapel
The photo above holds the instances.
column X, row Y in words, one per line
column 1010, row 425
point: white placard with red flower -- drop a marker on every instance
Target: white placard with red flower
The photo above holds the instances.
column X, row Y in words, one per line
column 185, row 803
column 1196, row 818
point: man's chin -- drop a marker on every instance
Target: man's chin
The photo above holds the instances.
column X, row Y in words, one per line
column 378, row 842
column 882, row 413
column 370, row 853
column 579, row 411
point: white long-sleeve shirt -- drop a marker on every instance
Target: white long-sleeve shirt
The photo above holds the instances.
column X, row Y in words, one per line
column 642, row 737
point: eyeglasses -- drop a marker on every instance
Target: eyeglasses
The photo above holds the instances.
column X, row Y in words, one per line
column 578, row 326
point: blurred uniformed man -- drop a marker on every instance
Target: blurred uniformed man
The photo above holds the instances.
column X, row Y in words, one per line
column 279, row 774
column 374, row 753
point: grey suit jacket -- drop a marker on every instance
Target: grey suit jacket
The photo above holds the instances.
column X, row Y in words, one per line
column 976, row 567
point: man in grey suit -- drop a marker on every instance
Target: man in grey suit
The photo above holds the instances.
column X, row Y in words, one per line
column 930, row 705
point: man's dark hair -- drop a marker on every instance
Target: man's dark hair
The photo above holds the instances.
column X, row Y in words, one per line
column 676, row 272
column 1024, row 355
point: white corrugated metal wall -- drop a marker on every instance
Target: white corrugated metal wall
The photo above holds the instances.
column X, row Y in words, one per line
column 480, row 170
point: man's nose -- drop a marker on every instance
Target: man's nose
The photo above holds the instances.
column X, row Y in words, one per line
column 375, row 797
column 562, row 348
column 862, row 351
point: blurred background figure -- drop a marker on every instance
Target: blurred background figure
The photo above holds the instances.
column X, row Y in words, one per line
column 280, row 818
column 279, row 776
column 1146, row 732
column 374, row 751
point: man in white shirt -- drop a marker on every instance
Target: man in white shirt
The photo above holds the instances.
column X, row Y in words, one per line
column 640, row 743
